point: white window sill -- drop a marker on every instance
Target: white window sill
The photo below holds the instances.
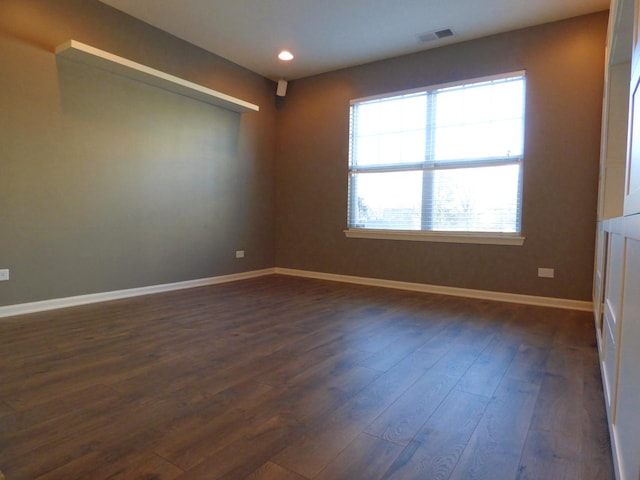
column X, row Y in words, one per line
column 447, row 237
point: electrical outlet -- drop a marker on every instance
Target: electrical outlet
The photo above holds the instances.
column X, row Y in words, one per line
column 4, row 274
column 546, row 272
column 239, row 253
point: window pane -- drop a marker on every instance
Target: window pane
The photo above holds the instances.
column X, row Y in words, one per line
column 481, row 199
column 479, row 121
column 390, row 148
column 386, row 200
column 389, row 131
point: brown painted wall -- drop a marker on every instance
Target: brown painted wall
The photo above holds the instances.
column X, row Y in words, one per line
column 107, row 183
column 564, row 64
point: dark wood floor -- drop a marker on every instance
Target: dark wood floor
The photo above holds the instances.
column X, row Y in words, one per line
column 282, row 378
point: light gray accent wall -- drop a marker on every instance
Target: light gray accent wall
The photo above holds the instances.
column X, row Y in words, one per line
column 107, row 183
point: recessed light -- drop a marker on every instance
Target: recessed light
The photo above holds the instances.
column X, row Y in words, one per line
column 285, row 55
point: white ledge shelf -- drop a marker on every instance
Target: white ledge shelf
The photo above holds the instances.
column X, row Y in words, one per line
column 79, row 52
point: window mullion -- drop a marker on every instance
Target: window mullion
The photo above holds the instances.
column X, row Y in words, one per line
column 428, row 173
column 353, row 196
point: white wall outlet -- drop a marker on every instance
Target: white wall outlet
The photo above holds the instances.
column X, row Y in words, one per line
column 546, row 272
column 4, row 274
column 239, row 253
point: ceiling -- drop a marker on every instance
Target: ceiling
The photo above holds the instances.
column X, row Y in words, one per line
column 326, row 35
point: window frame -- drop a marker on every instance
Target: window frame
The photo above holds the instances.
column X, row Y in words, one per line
column 474, row 237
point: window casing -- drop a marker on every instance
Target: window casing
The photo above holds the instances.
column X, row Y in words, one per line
column 444, row 161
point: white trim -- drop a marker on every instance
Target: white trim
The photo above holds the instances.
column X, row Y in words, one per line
column 428, row 236
column 632, row 226
column 614, row 225
column 628, row 226
column 443, row 290
column 53, row 304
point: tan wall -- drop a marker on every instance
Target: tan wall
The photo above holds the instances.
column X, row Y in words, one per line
column 564, row 64
column 108, row 184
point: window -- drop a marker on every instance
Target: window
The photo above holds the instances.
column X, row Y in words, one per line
column 444, row 160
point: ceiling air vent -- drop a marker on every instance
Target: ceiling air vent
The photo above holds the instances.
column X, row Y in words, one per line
column 444, row 33
column 436, row 35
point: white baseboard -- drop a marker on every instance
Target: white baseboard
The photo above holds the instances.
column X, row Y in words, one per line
column 442, row 290
column 32, row 307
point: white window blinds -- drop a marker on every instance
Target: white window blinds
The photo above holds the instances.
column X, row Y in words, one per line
column 443, row 159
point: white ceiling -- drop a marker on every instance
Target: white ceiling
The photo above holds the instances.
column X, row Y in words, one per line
column 326, row 35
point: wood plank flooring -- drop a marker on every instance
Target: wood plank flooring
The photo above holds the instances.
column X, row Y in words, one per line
column 281, row 378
